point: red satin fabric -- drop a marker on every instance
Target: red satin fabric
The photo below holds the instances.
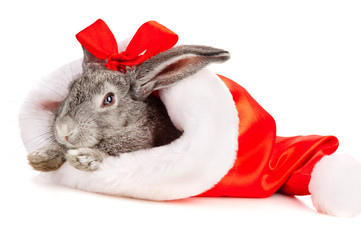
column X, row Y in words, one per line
column 150, row 39
column 265, row 162
column 98, row 39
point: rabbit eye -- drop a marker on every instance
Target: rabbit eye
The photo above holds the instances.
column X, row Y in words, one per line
column 108, row 100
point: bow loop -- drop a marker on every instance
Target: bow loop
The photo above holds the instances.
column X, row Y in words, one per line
column 149, row 40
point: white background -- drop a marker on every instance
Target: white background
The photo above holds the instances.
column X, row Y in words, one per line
column 301, row 60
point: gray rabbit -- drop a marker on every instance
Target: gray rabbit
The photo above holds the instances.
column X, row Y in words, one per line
column 108, row 112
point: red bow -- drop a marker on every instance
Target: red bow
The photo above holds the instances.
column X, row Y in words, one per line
column 150, row 39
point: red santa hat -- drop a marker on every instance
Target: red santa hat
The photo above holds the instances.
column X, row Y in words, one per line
column 229, row 146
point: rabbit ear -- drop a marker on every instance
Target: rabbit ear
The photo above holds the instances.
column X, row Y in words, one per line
column 168, row 67
column 91, row 62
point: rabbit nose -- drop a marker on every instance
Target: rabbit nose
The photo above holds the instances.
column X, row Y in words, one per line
column 64, row 128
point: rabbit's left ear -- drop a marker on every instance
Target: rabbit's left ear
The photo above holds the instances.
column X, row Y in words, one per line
column 90, row 62
column 171, row 66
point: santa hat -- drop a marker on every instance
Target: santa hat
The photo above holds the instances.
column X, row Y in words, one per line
column 229, row 146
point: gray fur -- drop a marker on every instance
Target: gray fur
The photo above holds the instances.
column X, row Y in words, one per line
column 86, row 133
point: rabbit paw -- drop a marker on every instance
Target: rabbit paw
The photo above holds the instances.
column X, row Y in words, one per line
column 46, row 159
column 85, row 159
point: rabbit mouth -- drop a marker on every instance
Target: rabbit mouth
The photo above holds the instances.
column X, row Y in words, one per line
column 74, row 135
column 76, row 141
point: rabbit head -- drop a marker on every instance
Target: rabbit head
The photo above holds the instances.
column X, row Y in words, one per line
column 102, row 103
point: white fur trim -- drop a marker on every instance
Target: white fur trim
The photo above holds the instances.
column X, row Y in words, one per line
column 35, row 121
column 335, row 186
column 200, row 105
